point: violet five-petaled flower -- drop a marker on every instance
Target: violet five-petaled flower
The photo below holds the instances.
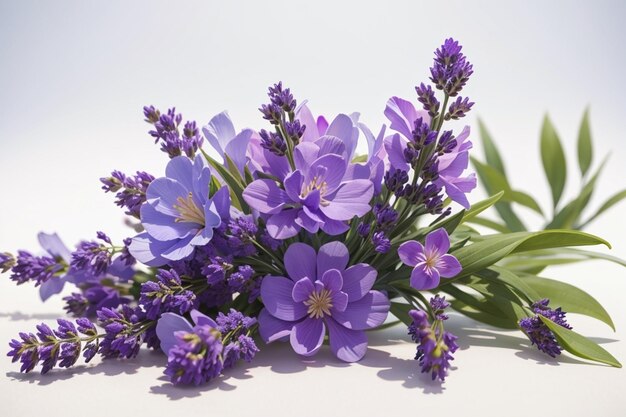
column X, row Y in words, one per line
column 321, row 193
column 321, row 293
column 179, row 215
column 429, row 261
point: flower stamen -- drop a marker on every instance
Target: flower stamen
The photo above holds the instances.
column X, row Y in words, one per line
column 188, row 210
column 319, row 303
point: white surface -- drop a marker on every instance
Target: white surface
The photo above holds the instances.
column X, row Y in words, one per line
column 74, row 76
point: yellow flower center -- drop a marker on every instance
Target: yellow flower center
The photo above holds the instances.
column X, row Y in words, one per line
column 319, row 304
column 316, row 184
column 188, row 210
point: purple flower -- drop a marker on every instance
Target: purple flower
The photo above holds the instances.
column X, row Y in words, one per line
column 93, row 257
column 197, row 354
column 435, row 346
column 221, row 135
column 429, row 261
column 7, row 261
column 538, row 333
column 94, row 297
column 179, row 215
column 166, row 294
column 125, row 331
column 130, row 190
column 320, row 292
column 319, row 194
column 451, row 70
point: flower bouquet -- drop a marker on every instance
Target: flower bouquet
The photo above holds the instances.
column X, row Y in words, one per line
column 289, row 234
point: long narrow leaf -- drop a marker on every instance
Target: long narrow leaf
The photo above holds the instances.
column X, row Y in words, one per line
column 585, row 148
column 553, row 159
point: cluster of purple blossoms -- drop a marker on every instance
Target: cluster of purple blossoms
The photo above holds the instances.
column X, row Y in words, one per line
column 451, row 69
column 7, row 261
column 166, row 294
column 435, row 346
column 126, row 329
column 60, row 347
column 538, row 333
column 93, row 257
column 166, row 129
column 130, row 190
column 196, row 354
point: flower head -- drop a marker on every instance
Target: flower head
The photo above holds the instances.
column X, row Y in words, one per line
column 179, row 215
column 166, row 294
column 320, row 292
column 538, row 333
column 430, row 261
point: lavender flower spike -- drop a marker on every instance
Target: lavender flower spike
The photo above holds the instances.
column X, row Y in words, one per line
column 538, row 333
column 179, row 214
column 429, row 261
column 319, row 293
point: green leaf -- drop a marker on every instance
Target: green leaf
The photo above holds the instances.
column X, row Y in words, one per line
column 495, row 321
column 481, row 206
column 401, row 311
column 503, row 275
column 491, row 152
column 234, row 184
column 585, row 148
column 572, row 299
column 493, row 248
column 579, row 345
column 607, row 205
column 553, row 160
column 490, row 224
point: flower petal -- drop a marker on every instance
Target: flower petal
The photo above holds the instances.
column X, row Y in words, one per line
column 302, row 289
column 53, row 244
column 180, row 170
column 334, row 227
column 351, row 199
column 366, row 313
column 331, row 145
column 343, row 127
column 358, row 280
column 339, row 301
column 303, row 156
column 332, row 255
column 277, row 297
column 411, row 252
column 300, row 261
column 395, row 146
column 168, row 324
column 162, row 226
column 293, row 185
column 448, row 266
column 424, row 278
column 271, row 328
column 201, row 319
column 283, row 225
column 148, row 250
column 402, row 115
column 304, row 115
column 305, row 221
column 329, row 168
column 219, row 131
column 332, row 280
column 237, row 146
column 348, row 345
column 438, row 241
column 52, row 286
column 307, row 336
column 180, row 250
column 265, row 196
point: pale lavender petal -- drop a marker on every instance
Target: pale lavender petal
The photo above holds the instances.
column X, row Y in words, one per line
column 237, row 147
column 448, row 266
column 221, row 202
column 293, row 185
column 306, row 118
column 180, row 169
column 334, row 227
column 453, row 164
column 322, row 125
column 351, row 199
column 271, row 328
column 148, row 250
column 265, row 196
column 219, row 131
column 283, row 225
column 300, row 261
column 165, row 193
column 162, row 226
column 358, row 280
column 278, row 166
column 395, row 146
column 438, row 241
column 366, row 313
column 411, row 252
column 331, row 145
column 424, row 278
column 332, row 255
column 307, row 336
column 53, row 244
column 303, row 156
column 52, row 286
column 343, row 128
column 202, row 319
column 276, row 293
column 302, row 290
column 332, row 280
column 456, row 188
column 348, row 345
column 168, row 324
column 180, row 250
column 312, row 200
column 339, row 301
column 329, row 168
column 305, row 221
column 402, row 115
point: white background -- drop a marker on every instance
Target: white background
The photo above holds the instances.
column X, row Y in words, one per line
column 73, row 79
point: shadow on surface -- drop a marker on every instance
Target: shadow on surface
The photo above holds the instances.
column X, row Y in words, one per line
column 19, row 316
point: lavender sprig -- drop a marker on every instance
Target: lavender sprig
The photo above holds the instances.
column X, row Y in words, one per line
column 538, row 333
